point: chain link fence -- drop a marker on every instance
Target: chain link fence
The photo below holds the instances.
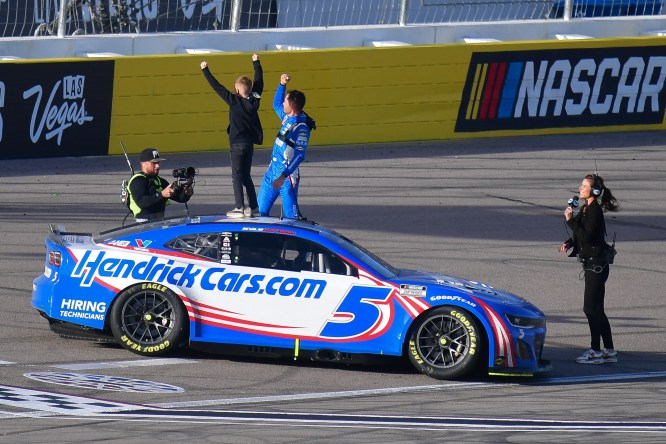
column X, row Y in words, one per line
column 75, row 17
column 48, row 17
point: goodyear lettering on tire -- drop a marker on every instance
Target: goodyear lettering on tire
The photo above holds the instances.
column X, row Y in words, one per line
column 148, row 349
column 470, row 329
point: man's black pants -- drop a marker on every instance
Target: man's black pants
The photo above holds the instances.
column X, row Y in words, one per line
column 241, row 166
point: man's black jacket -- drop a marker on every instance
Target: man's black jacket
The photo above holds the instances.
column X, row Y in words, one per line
column 244, row 124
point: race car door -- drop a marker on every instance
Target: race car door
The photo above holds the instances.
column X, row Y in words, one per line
column 277, row 288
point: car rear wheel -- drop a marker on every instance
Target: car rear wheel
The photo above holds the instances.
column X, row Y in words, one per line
column 445, row 343
column 148, row 319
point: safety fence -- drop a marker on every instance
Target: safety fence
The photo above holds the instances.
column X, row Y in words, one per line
column 76, row 17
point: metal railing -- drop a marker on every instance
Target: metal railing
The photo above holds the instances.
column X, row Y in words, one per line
column 74, row 17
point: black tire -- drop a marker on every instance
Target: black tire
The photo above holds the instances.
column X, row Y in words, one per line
column 148, row 319
column 445, row 343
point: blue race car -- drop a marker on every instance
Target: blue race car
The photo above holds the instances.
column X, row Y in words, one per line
column 271, row 287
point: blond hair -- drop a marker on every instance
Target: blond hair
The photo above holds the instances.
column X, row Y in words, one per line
column 243, row 85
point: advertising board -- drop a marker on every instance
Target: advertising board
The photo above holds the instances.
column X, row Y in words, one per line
column 58, row 109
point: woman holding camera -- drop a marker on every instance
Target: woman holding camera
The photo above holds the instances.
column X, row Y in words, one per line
column 588, row 243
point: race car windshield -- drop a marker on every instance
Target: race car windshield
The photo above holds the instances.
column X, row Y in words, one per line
column 374, row 262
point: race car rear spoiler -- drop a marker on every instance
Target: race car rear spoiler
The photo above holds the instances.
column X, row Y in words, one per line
column 59, row 236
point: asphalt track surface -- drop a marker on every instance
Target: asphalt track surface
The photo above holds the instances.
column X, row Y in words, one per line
column 490, row 210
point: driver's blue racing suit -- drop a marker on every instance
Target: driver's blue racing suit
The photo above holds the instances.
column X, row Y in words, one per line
column 288, row 152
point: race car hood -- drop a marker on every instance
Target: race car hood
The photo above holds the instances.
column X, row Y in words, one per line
column 436, row 282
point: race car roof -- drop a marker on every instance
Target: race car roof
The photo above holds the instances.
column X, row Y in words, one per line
column 209, row 220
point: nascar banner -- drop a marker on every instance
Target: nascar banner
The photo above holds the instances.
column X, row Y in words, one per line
column 561, row 88
column 55, row 109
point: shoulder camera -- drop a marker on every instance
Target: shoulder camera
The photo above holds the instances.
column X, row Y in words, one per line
column 184, row 177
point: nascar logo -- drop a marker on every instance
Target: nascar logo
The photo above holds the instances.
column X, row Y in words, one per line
column 563, row 88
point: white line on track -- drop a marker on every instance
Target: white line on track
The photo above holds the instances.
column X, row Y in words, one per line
column 413, row 389
column 291, row 419
column 122, row 364
column 33, row 414
column 599, row 378
column 324, row 395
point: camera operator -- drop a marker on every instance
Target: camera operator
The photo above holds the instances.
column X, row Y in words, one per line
column 150, row 194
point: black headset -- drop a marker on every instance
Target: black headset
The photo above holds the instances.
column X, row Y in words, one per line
column 597, row 187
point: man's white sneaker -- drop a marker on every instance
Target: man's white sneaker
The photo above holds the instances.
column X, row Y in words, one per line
column 610, row 355
column 251, row 212
column 591, row 357
column 236, row 213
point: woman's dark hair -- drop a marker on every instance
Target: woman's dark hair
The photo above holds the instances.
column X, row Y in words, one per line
column 607, row 201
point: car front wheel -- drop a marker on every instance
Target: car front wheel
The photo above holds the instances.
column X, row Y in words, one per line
column 148, row 319
column 445, row 343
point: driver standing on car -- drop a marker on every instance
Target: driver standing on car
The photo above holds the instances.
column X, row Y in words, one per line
column 149, row 194
column 283, row 175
